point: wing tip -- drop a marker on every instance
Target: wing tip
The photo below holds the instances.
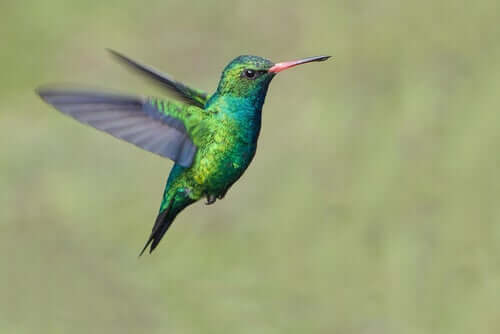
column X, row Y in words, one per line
column 45, row 92
column 42, row 91
column 116, row 54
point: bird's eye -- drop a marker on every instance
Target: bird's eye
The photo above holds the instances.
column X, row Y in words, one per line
column 250, row 74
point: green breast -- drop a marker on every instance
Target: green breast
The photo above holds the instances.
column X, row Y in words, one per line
column 226, row 153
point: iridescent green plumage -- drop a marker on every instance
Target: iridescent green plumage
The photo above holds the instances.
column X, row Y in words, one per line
column 225, row 132
column 211, row 139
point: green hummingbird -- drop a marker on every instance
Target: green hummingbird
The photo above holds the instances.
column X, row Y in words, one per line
column 211, row 138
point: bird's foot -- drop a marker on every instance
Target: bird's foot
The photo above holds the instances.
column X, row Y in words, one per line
column 210, row 199
column 222, row 195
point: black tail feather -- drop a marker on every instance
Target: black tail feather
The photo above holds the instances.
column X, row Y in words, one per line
column 162, row 223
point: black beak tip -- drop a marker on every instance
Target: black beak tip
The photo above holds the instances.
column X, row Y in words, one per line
column 323, row 58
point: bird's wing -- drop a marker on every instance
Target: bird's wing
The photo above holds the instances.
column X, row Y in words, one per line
column 184, row 93
column 157, row 126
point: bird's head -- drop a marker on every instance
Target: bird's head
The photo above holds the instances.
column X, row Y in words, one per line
column 249, row 76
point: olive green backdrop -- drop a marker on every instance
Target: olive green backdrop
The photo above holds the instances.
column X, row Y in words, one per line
column 371, row 205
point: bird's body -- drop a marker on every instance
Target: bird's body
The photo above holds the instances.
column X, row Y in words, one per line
column 212, row 139
column 225, row 149
column 224, row 153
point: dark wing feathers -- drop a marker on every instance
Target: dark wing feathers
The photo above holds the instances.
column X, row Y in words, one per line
column 181, row 91
column 130, row 118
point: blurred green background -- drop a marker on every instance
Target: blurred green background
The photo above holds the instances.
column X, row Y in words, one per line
column 371, row 206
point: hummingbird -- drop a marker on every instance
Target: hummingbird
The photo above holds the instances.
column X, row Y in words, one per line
column 211, row 138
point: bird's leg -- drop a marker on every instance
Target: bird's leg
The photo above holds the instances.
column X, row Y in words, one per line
column 210, row 199
column 221, row 196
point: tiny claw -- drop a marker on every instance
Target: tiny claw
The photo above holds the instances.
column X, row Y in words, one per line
column 210, row 199
column 223, row 194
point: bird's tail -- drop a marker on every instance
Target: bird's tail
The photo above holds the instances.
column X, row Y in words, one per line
column 165, row 218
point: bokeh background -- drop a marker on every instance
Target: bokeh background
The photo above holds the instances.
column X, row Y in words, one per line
column 371, row 206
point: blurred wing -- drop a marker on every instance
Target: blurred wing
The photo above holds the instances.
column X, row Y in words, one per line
column 130, row 118
column 184, row 93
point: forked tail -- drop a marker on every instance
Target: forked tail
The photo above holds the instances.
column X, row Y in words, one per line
column 165, row 218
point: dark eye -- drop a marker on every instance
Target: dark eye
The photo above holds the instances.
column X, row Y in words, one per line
column 250, row 74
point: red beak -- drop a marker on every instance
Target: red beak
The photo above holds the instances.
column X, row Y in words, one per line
column 287, row 64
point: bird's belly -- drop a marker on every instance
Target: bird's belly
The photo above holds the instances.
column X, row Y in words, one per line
column 217, row 167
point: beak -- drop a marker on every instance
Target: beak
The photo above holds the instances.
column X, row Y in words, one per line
column 287, row 64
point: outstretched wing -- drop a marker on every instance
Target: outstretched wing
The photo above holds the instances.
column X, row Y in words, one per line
column 184, row 93
column 157, row 128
